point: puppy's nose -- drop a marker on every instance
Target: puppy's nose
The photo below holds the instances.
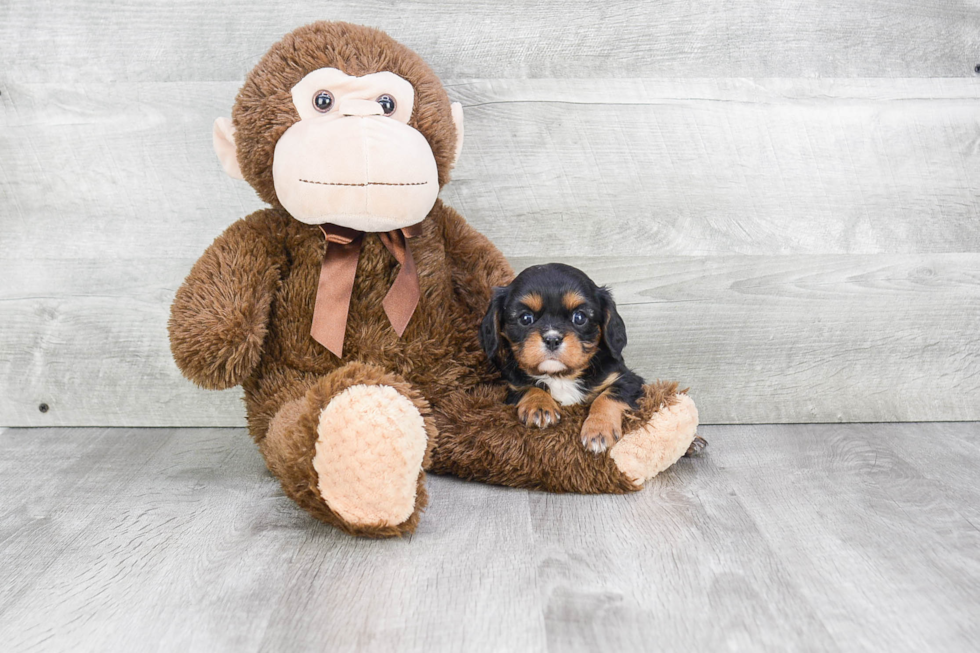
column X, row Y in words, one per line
column 552, row 341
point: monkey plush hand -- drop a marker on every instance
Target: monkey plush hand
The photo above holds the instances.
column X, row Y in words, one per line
column 349, row 309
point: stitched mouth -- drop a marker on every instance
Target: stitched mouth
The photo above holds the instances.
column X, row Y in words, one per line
column 368, row 183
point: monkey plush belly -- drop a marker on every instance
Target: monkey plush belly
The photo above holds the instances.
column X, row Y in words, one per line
column 369, row 335
column 437, row 352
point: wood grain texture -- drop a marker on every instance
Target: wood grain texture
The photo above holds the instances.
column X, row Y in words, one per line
column 418, row 597
column 950, row 463
column 619, row 168
column 794, row 537
column 679, row 567
column 88, row 338
column 758, row 339
column 46, row 470
column 187, row 40
column 793, row 248
column 149, row 554
column 859, row 524
column 674, row 166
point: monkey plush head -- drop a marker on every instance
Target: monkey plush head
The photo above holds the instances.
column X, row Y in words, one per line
column 341, row 124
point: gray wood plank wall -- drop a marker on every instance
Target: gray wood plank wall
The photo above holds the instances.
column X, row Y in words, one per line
column 784, row 196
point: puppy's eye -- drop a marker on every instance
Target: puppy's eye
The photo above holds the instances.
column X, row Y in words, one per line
column 579, row 318
column 526, row 319
column 322, row 101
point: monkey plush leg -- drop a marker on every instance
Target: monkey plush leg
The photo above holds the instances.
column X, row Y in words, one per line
column 480, row 438
column 352, row 449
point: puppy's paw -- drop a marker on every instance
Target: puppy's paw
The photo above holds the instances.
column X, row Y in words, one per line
column 538, row 408
column 599, row 432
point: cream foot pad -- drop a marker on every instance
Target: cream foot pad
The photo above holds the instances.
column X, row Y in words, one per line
column 652, row 448
column 369, row 450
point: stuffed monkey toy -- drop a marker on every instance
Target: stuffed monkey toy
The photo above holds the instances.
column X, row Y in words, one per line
column 349, row 310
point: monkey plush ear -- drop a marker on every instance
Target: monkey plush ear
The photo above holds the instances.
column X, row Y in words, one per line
column 614, row 329
column 490, row 329
column 223, row 138
column 457, row 110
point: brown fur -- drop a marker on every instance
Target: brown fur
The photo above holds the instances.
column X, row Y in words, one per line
column 492, row 446
column 605, row 421
column 537, row 407
column 572, row 300
column 576, row 354
column 243, row 315
column 235, row 283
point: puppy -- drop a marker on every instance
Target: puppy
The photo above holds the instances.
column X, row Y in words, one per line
column 556, row 338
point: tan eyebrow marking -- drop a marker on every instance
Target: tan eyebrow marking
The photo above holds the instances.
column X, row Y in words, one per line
column 572, row 300
column 533, row 300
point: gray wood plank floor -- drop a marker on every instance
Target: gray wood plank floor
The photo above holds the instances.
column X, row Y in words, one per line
column 799, row 537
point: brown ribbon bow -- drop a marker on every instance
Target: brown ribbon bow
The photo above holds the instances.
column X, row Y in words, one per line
column 337, row 283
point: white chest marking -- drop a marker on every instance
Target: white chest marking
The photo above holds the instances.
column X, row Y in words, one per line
column 567, row 392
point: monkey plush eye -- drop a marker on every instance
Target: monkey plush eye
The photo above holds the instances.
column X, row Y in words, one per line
column 579, row 318
column 526, row 319
column 322, row 101
column 387, row 104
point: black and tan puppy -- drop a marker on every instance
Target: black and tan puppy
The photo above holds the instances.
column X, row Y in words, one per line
column 557, row 339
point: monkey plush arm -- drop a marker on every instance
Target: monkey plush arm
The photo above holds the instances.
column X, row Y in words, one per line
column 219, row 316
column 476, row 264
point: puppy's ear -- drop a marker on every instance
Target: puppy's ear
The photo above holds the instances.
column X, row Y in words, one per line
column 490, row 329
column 614, row 329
